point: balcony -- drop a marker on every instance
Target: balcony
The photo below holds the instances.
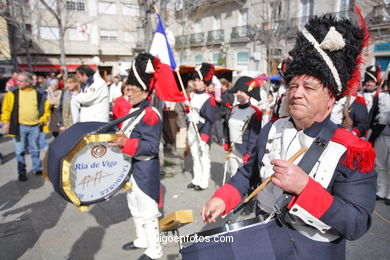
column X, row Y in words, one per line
column 195, row 4
column 197, row 39
column 215, row 37
column 241, row 34
column 181, row 40
column 275, row 26
column 379, row 22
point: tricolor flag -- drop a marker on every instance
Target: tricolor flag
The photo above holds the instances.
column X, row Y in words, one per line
column 165, row 87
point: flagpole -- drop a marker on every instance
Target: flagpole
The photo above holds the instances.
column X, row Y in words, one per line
column 189, row 103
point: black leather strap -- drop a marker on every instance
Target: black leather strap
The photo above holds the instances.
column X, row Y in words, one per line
column 306, row 164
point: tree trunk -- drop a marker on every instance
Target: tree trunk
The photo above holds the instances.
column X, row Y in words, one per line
column 12, row 45
column 62, row 51
column 61, row 41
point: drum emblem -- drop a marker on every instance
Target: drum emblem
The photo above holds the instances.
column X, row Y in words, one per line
column 98, row 151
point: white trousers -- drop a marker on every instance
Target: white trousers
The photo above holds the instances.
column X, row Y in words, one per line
column 145, row 215
column 382, row 166
column 200, row 159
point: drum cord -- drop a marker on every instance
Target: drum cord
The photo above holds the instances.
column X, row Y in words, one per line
column 375, row 213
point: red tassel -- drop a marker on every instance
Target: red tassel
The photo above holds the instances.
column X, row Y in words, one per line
column 354, row 82
column 360, row 154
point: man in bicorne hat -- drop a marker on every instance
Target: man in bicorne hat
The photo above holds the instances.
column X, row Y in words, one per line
column 332, row 199
column 201, row 119
column 141, row 145
column 244, row 122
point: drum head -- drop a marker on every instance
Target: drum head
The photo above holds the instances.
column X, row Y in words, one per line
column 94, row 171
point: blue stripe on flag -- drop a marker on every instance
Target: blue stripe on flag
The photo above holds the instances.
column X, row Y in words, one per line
column 160, row 29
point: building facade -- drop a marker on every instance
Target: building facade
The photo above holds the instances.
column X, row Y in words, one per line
column 103, row 28
column 250, row 36
column 253, row 36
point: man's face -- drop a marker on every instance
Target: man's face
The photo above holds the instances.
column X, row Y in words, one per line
column 83, row 78
column 22, row 83
column 242, row 97
column 370, row 85
column 135, row 94
column 116, row 80
column 35, row 79
column 308, row 100
column 15, row 75
column 199, row 84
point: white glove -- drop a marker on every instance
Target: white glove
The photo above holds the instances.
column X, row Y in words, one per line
column 203, row 146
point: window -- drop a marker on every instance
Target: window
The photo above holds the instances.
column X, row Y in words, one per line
column 343, row 5
column 107, row 8
column 131, row 10
column 183, row 59
column 49, row 33
column 75, row 34
column 108, row 35
column 198, row 59
column 276, row 8
column 216, row 58
column 242, row 18
column 129, row 36
column 243, row 56
column 197, row 27
column 306, row 10
column 217, row 22
column 75, row 5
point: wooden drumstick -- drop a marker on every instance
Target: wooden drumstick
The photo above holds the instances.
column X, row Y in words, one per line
column 264, row 183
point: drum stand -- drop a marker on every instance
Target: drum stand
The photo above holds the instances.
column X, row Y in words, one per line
column 175, row 221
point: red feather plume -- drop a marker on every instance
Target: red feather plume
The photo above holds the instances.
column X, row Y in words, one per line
column 354, row 82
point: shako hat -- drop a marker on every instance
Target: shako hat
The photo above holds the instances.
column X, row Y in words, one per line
column 248, row 85
column 329, row 49
column 205, row 72
column 142, row 72
column 372, row 73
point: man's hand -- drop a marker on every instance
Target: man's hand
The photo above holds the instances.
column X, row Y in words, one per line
column 212, row 210
column 289, row 177
column 119, row 141
column 62, row 128
column 5, row 128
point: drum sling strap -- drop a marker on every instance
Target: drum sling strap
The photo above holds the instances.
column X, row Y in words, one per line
column 306, row 164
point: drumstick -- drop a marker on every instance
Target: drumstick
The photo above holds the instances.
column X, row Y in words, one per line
column 264, row 183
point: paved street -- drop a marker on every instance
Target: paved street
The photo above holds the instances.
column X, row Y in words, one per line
column 36, row 223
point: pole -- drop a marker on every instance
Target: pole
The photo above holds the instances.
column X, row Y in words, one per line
column 189, row 104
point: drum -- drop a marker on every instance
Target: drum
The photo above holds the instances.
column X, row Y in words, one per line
column 249, row 239
column 83, row 168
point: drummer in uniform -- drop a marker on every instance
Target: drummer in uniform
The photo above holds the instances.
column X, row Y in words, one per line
column 201, row 119
column 141, row 145
column 380, row 137
column 370, row 82
column 244, row 123
column 333, row 201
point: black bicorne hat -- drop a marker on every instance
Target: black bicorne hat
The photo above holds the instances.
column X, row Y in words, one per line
column 248, row 85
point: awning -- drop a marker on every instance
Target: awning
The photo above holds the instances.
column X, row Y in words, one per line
column 189, row 69
column 52, row 67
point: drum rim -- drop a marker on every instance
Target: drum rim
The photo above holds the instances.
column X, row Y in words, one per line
column 228, row 227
